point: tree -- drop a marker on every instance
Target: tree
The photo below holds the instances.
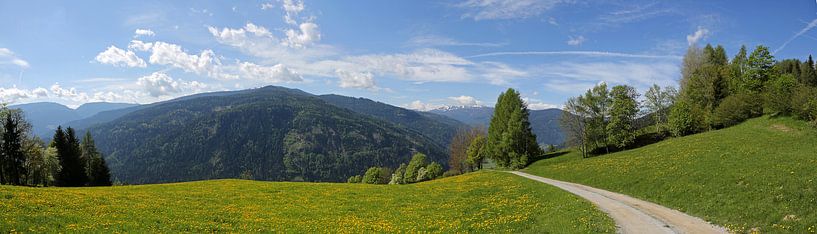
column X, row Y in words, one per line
column 376, row 175
column 808, row 76
column 778, row 93
column 623, row 112
column 399, row 175
column 95, row 167
column 73, row 172
column 459, row 146
column 738, row 67
column 596, row 102
column 693, row 59
column 759, row 69
column 574, row 122
column 510, row 139
column 354, row 179
column 12, row 151
column 102, row 175
column 476, row 153
column 684, row 119
column 418, row 161
column 658, row 102
column 433, row 171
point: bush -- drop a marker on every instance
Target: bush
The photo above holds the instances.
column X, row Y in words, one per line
column 434, row 171
column 355, row 179
column 777, row 95
column 417, row 161
column 376, row 175
column 685, row 119
column 399, row 175
column 804, row 103
column 735, row 109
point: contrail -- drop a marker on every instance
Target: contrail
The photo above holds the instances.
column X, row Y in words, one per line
column 802, row 31
column 578, row 53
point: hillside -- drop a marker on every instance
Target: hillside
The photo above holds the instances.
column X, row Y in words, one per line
column 46, row 116
column 437, row 127
column 759, row 174
column 479, row 202
column 269, row 133
column 544, row 123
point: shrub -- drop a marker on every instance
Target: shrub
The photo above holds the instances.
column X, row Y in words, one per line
column 777, row 95
column 685, row 119
column 399, row 175
column 804, row 103
column 355, row 179
column 417, row 161
column 376, row 175
column 434, row 170
column 735, row 109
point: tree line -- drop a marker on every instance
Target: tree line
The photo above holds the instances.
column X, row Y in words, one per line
column 715, row 92
column 27, row 160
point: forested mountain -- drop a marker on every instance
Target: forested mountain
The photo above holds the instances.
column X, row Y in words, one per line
column 270, row 133
column 46, row 116
column 437, row 127
column 545, row 123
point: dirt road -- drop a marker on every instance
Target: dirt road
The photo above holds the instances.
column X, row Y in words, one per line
column 633, row 215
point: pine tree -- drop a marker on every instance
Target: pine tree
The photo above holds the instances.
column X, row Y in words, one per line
column 73, row 172
column 511, row 142
column 12, row 150
column 95, row 166
column 808, row 76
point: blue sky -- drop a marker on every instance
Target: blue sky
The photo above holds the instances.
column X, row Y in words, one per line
column 416, row 54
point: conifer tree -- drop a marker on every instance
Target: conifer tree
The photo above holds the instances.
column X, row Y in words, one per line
column 511, row 142
column 73, row 172
column 12, row 151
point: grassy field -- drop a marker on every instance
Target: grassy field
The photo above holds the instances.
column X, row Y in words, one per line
column 476, row 202
column 759, row 175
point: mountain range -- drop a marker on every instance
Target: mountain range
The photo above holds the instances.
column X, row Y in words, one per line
column 269, row 133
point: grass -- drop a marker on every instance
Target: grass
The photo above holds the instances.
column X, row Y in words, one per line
column 758, row 176
column 476, row 202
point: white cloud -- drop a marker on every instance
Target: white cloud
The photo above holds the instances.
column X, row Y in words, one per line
column 435, row 40
column 139, row 45
column 808, row 27
column 69, row 93
column 425, row 65
column 264, row 6
column 576, row 41
column 466, row 101
column 291, row 10
column 8, row 57
column 507, row 9
column 275, row 74
column 360, row 80
column 144, row 32
column 119, row 57
column 420, row 106
column 205, row 63
column 159, row 84
column 535, row 104
column 14, row 94
column 701, row 33
column 308, row 35
column 499, row 73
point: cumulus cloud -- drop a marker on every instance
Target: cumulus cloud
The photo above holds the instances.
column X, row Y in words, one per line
column 275, row 74
column 160, row 84
column 576, row 41
column 701, row 33
column 420, row 106
column 360, row 80
column 506, row 9
column 120, row 58
column 466, row 101
column 68, row 93
column 139, row 45
column 535, row 104
column 8, row 57
column 307, row 35
column 205, row 63
column 14, row 94
column 264, row 6
column 291, row 10
column 143, row 32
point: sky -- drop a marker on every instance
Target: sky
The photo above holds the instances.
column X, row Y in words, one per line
column 415, row 54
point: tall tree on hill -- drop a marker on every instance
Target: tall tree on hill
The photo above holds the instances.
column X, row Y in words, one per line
column 95, row 166
column 73, row 172
column 658, row 102
column 738, row 67
column 12, row 151
column 596, row 102
column 510, row 140
column 459, row 149
column 623, row 111
column 808, row 76
column 574, row 122
column 759, row 69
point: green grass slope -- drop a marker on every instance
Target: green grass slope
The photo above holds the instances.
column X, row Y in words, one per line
column 759, row 175
column 476, row 202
